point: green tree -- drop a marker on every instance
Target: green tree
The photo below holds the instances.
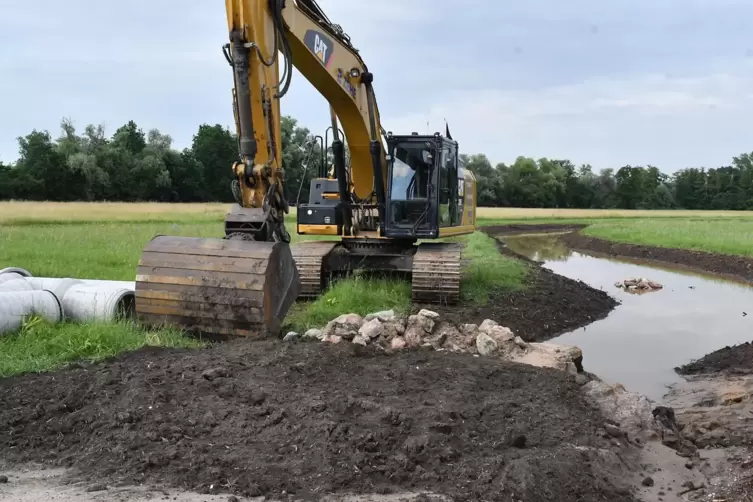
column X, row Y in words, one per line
column 216, row 148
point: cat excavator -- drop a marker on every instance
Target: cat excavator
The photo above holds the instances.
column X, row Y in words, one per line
column 395, row 191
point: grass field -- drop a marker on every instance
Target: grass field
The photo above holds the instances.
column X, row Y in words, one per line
column 105, row 240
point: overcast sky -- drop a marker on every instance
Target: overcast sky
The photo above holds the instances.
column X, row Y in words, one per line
column 666, row 82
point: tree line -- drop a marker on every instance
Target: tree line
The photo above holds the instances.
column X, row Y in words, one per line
column 133, row 165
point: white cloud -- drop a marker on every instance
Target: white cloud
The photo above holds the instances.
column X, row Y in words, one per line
column 671, row 123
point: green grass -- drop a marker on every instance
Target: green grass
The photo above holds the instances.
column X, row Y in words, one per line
column 486, row 270
column 360, row 295
column 39, row 346
column 726, row 236
column 88, row 251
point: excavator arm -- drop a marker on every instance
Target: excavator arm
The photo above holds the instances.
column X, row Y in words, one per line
column 260, row 31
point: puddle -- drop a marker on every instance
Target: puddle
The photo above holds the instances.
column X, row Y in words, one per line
column 648, row 335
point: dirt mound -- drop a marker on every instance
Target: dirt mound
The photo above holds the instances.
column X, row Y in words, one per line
column 266, row 418
column 550, row 306
column 736, row 360
column 737, row 267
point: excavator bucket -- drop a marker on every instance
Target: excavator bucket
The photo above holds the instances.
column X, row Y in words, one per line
column 226, row 287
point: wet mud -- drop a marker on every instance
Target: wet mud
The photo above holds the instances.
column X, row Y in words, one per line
column 305, row 420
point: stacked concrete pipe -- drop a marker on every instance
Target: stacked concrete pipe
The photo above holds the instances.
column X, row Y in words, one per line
column 78, row 300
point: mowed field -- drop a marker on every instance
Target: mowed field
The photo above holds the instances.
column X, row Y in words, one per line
column 105, row 240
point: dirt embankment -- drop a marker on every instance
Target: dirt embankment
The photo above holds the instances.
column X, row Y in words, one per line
column 737, row 360
column 263, row 418
column 549, row 306
column 737, row 267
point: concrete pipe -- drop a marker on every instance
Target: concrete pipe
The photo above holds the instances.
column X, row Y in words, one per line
column 14, row 283
column 17, row 306
column 14, row 270
column 58, row 286
column 84, row 302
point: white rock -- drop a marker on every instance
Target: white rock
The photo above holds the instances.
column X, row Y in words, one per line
column 397, row 343
column 371, row 329
column 384, row 316
column 486, row 345
column 345, row 326
column 361, row 340
column 429, row 313
column 392, row 329
column 547, row 355
column 487, row 325
column 632, row 411
column 349, row 319
column 425, row 323
column 290, row 337
column 314, row 333
column 500, row 334
column 332, row 339
column 414, row 335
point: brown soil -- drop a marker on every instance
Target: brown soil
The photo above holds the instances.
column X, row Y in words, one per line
column 736, row 360
column 267, row 419
column 549, row 306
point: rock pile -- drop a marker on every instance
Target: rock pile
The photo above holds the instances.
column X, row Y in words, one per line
column 390, row 332
column 638, row 285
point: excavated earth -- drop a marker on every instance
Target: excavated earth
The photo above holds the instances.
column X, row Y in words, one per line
column 307, row 419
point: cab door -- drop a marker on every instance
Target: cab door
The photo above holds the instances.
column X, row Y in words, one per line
column 448, row 187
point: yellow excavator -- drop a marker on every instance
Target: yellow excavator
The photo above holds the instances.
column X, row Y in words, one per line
column 395, row 191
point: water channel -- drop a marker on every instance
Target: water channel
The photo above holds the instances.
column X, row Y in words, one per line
column 645, row 337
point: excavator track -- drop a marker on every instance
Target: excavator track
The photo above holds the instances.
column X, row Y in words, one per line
column 436, row 273
column 227, row 287
column 309, row 258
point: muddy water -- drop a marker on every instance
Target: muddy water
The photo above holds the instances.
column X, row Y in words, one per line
column 648, row 335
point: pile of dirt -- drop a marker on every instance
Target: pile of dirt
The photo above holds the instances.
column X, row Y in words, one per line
column 549, row 306
column 736, row 360
column 307, row 419
column 737, row 267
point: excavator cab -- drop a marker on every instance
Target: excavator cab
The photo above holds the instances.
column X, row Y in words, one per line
column 419, row 175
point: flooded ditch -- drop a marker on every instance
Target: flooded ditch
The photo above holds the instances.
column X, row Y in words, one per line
column 644, row 338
